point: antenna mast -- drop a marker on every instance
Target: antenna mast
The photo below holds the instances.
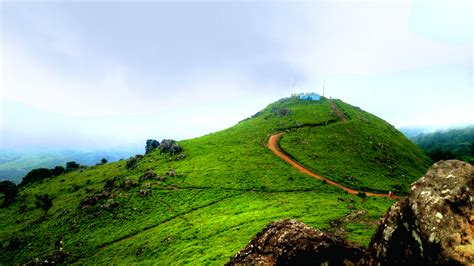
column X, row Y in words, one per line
column 324, row 87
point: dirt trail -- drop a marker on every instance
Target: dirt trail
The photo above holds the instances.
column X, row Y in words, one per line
column 340, row 114
column 273, row 145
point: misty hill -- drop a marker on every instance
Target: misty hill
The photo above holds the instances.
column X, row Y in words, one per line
column 448, row 144
column 16, row 163
column 205, row 203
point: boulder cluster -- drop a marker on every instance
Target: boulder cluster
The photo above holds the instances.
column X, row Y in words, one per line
column 165, row 146
column 433, row 224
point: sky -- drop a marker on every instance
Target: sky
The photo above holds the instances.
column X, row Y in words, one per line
column 115, row 73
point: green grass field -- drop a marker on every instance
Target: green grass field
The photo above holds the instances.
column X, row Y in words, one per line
column 365, row 152
column 228, row 187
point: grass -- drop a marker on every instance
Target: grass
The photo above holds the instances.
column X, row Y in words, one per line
column 364, row 153
column 228, row 187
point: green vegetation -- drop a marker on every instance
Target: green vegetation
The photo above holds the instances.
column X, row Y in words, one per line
column 450, row 144
column 10, row 192
column 42, row 173
column 201, row 205
column 15, row 164
column 364, row 152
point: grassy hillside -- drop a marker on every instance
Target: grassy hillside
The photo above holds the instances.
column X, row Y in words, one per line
column 364, row 152
column 448, row 144
column 227, row 187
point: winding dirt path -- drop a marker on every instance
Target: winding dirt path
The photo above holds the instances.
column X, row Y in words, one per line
column 273, row 145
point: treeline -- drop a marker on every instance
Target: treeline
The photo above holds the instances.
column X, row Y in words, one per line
column 450, row 144
column 10, row 189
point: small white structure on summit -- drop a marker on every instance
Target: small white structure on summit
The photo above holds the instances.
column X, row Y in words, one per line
column 309, row 96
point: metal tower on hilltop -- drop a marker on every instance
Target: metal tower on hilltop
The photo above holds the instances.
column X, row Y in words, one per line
column 324, row 87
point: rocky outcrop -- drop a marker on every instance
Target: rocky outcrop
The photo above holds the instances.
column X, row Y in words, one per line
column 293, row 242
column 433, row 224
column 170, row 146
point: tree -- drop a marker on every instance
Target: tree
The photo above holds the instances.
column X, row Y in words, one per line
column 44, row 202
column 103, row 161
column 151, row 144
column 58, row 170
column 71, row 166
column 35, row 175
column 9, row 190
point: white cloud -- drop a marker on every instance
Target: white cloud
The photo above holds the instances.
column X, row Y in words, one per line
column 364, row 38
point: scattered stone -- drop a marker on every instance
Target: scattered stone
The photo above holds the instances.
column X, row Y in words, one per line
column 144, row 192
column 148, row 175
column 292, row 242
column 132, row 161
column 161, row 178
column 281, row 111
column 180, row 156
column 127, row 183
column 171, row 172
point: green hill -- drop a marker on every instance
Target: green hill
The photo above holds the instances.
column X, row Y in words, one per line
column 364, row 152
column 228, row 186
column 448, row 144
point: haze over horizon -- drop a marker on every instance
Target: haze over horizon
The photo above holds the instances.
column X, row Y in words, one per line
column 90, row 74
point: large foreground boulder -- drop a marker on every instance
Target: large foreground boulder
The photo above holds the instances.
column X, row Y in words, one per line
column 293, row 242
column 433, row 224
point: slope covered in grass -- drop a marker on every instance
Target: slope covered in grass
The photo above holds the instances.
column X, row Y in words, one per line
column 364, row 152
column 448, row 144
column 227, row 187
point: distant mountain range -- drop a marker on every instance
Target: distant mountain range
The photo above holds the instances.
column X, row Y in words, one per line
column 15, row 163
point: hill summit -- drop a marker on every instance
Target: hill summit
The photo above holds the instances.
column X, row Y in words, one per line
column 203, row 204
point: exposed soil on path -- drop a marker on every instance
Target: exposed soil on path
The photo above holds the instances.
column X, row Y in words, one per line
column 340, row 114
column 273, row 145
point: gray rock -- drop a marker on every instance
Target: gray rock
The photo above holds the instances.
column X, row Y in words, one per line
column 292, row 242
column 147, row 175
column 433, row 224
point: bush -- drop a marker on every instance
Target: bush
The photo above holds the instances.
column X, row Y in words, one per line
column 103, row 161
column 9, row 190
column 71, row 166
column 132, row 161
column 36, row 175
column 58, row 170
column 151, row 145
column 281, row 111
column 44, row 202
column 362, row 194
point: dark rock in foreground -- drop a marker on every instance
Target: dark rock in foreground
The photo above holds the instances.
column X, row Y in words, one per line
column 433, row 224
column 292, row 242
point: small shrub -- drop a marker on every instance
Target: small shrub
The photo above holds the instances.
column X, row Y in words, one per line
column 362, row 194
column 132, row 161
column 75, row 187
column 44, row 202
column 281, row 111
